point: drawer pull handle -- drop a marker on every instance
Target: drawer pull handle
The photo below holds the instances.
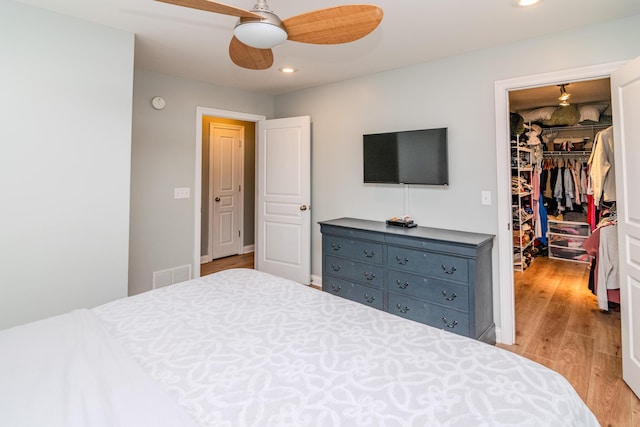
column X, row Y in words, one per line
column 401, row 309
column 369, row 254
column 451, row 270
column 401, row 285
column 369, row 299
column 336, row 267
column 451, row 298
column 369, row 276
column 335, row 288
column 336, row 246
column 402, row 261
column 450, row 325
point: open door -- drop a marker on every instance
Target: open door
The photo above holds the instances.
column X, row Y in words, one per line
column 283, row 236
column 625, row 97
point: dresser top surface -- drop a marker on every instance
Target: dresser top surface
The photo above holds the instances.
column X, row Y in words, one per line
column 419, row 232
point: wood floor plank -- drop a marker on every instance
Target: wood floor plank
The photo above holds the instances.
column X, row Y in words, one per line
column 550, row 332
column 575, row 360
column 608, row 337
column 236, row 261
column 609, row 397
column 583, row 318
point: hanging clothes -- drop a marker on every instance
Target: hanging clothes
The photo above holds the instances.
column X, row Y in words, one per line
column 602, row 167
column 603, row 246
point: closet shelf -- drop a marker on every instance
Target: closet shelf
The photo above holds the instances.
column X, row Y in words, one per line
column 566, row 153
column 521, row 179
column 579, row 127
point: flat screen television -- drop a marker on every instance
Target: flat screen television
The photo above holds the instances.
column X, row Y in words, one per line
column 406, row 157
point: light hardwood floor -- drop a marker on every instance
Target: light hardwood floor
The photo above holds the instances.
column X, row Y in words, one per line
column 236, row 261
column 559, row 325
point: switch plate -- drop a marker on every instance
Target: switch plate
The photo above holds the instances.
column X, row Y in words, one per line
column 181, row 193
column 486, row 197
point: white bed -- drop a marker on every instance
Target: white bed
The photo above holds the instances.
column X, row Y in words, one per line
column 244, row 348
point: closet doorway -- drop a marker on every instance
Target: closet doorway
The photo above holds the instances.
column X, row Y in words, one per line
column 506, row 333
column 557, row 228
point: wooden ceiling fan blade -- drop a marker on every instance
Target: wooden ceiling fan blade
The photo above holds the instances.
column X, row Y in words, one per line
column 334, row 25
column 249, row 57
column 212, row 6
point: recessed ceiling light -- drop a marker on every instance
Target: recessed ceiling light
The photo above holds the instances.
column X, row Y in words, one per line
column 288, row 70
column 525, row 3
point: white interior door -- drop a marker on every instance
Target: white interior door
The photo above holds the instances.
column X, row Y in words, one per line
column 625, row 97
column 283, row 236
column 225, row 142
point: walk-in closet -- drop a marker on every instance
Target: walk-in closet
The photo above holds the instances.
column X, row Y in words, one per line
column 564, row 229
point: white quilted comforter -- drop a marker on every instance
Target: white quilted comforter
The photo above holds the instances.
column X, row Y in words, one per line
column 243, row 348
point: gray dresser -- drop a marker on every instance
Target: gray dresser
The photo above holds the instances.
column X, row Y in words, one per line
column 438, row 277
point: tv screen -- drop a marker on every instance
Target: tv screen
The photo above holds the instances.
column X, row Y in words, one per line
column 407, row 157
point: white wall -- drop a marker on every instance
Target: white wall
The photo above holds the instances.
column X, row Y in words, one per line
column 65, row 106
column 163, row 158
column 457, row 93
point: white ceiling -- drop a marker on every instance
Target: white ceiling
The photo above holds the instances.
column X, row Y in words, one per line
column 194, row 44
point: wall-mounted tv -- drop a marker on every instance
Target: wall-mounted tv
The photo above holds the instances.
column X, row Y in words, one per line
column 406, row 157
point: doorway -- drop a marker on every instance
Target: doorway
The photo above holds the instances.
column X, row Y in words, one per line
column 553, row 133
column 227, row 225
column 277, row 137
column 506, row 334
column 200, row 202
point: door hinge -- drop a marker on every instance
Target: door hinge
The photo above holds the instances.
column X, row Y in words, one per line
column 238, row 233
column 239, row 188
column 508, row 226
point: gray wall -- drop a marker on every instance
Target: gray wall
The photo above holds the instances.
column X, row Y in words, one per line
column 163, row 157
column 457, row 93
column 66, row 93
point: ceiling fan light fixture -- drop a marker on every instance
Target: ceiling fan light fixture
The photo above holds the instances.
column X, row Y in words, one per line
column 263, row 34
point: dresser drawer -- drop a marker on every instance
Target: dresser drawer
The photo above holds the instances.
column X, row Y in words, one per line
column 353, row 291
column 370, row 274
column 432, row 264
column 447, row 294
column 430, row 314
column 360, row 250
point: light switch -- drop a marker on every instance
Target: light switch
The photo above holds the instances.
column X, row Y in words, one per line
column 181, row 193
column 486, row 197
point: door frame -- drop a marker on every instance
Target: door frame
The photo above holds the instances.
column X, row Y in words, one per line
column 201, row 112
column 240, row 202
column 506, row 333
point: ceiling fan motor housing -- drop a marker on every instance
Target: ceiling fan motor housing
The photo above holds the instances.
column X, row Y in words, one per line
column 265, row 33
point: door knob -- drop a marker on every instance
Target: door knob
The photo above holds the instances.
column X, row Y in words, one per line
column 217, row 199
column 303, row 207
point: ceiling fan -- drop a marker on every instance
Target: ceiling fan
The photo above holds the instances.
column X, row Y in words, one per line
column 259, row 29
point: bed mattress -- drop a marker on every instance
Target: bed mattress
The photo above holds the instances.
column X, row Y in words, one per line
column 244, row 348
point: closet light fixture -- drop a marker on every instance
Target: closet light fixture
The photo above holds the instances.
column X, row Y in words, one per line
column 564, row 95
column 525, row 3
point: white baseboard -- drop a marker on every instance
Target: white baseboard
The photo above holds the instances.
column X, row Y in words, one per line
column 205, row 259
column 316, row 280
column 498, row 335
column 248, row 249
